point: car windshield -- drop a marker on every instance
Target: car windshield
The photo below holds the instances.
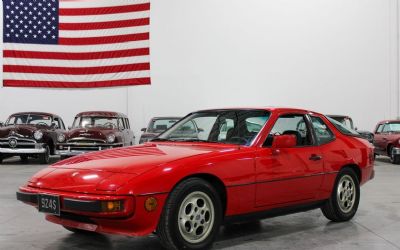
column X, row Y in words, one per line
column 346, row 121
column 392, row 128
column 30, row 119
column 342, row 128
column 95, row 122
column 160, row 125
column 223, row 126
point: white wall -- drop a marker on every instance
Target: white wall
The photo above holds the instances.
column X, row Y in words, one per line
column 331, row 56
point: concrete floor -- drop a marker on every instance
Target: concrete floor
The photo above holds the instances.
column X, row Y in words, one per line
column 376, row 225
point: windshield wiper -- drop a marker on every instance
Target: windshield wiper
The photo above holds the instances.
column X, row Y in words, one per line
column 197, row 140
column 161, row 139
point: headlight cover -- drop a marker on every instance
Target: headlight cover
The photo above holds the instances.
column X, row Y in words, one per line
column 61, row 138
column 38, row 135
column 110, row 138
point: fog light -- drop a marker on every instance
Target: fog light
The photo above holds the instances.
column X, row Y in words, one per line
column 150, row 204
column 111, row 206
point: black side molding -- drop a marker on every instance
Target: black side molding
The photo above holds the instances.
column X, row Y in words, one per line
column 274, row 212
column 26, row 197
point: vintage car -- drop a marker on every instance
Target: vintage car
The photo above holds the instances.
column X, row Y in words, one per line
column 156, row 126
column 184, row 188
column 94, row 131
column 30, row 134
column 387, row 140
column 348, row 122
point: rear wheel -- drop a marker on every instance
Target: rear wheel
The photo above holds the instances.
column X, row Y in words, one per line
column 343, row 204
column 44, row 158
column 191, row 216
column 394, row 158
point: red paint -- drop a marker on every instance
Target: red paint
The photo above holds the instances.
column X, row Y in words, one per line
column 256, row 178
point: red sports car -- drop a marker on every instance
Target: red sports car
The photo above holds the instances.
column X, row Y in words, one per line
column 212, row 167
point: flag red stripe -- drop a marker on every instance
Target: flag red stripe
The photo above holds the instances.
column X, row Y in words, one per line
column 104, row 10
column 99, row 84
column 104, row 39
column 76, row 71
column 105, row 25
column 76, row 56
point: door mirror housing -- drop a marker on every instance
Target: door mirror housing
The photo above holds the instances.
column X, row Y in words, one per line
column 1, row 124
column 143, row 130
column 284, row 141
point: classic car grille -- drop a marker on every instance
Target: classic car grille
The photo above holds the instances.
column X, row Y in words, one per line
column 85, row 141
column 21, row 143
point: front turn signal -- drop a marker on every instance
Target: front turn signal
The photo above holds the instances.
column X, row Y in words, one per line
column 111, row 206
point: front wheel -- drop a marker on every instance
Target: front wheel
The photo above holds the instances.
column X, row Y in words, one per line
column 343, row 203
column 191, row 216
column 44, row 158
column 394, row 158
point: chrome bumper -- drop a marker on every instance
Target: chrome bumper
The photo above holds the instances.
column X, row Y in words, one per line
column 76, row 149
column 396, row 151
column 36, row 148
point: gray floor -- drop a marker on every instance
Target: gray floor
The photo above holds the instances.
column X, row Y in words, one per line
column 376, row 226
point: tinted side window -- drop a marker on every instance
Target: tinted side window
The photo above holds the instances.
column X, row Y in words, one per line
column 323, row 133
column 291, row 125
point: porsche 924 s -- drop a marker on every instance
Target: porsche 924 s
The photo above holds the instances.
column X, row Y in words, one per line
column 210, row 168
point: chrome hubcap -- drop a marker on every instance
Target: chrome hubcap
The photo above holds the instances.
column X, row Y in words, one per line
column 346, row 193
column 196, row 217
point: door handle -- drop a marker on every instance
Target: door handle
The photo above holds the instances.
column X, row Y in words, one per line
column 315, row 157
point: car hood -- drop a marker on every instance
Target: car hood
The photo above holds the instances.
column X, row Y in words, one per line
column 92, row 133
column 96, row 171
column 18, row 130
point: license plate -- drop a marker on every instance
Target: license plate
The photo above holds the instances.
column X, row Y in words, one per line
column 49, row 204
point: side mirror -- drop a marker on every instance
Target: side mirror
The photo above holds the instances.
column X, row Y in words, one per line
column 143, row 130
column 200, row 130
column 1, row 124
column 284, row 141
column 69, row 127
column 356, row 128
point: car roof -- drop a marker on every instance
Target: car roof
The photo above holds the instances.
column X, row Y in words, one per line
column 102, row 113
column 339, row 116
column 36, row 113
column 389, row 121
column 166, row 118
column 271, row 109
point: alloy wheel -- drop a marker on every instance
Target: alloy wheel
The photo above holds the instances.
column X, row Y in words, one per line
column 346, row 193
column 196, row 217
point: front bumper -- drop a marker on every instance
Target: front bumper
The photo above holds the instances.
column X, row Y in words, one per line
column 135, row 221
column 396, row 151
column 22, row 148
column 80, row 148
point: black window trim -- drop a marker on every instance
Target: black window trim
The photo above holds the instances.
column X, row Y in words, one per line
column 315, row 134
column 307, row 121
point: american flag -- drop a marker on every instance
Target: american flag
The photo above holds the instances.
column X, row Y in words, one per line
column 76, row 43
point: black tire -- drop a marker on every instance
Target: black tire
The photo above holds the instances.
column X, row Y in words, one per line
column 78, row 231
column 24, row 158
column 45, row 157
column 394, row 159
column 169, row 230
column 332, row 209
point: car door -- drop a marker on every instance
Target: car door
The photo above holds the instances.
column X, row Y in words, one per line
column 289, row 175
column 380, row 138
